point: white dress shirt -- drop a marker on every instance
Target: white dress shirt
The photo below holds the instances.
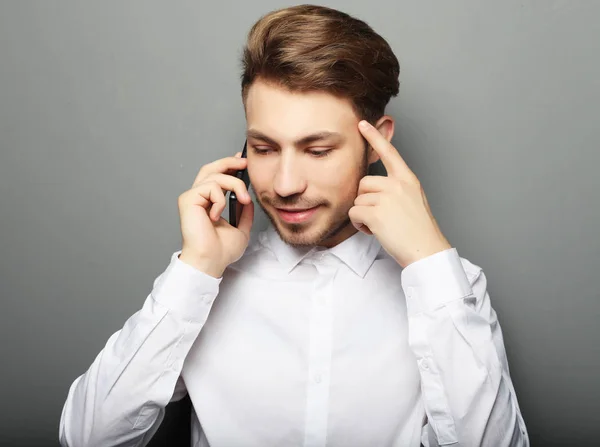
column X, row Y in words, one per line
column 307, row 347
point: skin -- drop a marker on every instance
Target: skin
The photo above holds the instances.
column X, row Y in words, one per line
column 286, row 172
column 288, row 169
column 395, row 208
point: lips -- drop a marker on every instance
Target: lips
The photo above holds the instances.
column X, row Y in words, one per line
column 296, row 216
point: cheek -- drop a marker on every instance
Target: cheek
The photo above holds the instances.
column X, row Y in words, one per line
column 259, row 177
column 340, row 183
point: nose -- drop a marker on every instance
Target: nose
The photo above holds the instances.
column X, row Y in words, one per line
column 289, row 179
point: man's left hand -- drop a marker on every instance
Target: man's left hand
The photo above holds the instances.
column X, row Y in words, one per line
column 395, row 208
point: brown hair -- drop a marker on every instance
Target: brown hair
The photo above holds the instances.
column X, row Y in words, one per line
column 315, row 48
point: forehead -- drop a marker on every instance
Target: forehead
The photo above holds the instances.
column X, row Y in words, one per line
column 275, row 110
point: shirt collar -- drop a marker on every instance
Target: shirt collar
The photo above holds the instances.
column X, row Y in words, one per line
column 358, row 251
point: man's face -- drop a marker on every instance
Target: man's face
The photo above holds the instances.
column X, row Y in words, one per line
column 305, row 152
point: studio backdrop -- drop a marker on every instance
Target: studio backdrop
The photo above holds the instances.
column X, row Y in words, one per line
column 109, row 109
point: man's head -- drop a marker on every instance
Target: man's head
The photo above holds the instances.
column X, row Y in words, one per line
column 310, row 74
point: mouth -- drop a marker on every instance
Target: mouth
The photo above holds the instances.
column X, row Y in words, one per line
column 291, row 215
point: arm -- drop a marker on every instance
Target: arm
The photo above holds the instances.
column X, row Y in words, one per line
column 454, row 333
column 121, row 398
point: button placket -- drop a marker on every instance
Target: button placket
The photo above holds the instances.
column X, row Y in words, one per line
column 319, row 361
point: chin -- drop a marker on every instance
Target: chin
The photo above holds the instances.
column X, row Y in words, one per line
column 309, row 234
column 323, row 229
column 299, row 238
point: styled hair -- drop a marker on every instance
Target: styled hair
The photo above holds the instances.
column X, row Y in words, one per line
column 314, row 48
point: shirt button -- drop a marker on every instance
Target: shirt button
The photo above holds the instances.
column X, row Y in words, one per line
column 425, row 364
column 318, row 378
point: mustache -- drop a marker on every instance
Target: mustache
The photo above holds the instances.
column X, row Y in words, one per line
column 295, row 201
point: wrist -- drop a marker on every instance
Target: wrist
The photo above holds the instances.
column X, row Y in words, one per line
column 423, row 253
column 205, row 265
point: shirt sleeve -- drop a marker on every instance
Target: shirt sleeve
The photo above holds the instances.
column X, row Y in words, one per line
column 121, row 398
column 455, row 335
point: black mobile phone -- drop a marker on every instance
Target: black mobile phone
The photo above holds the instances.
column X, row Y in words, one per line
column 234, row 205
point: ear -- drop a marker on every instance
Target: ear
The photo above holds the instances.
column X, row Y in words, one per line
column 385, row 126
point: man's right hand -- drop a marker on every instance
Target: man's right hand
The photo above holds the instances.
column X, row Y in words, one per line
column 210, row 243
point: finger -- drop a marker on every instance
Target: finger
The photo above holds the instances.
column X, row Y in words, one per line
column 372, row 183
column 224, row 165
column 208, row 195
column 365, row 229
column 234, row 171
column 231, row 183
column 391, row 159
column 218, row 203
column 368, row 199
column 246, row 219
column 361, row 216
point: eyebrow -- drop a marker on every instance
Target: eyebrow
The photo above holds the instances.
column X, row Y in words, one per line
column 308, row 139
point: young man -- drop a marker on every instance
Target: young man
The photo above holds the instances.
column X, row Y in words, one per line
column 351, row 321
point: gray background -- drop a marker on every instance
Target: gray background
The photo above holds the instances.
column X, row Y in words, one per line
column 108, row 109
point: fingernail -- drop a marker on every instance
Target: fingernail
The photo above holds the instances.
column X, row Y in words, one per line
column 364, row 124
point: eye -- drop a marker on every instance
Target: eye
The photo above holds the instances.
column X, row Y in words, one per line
column 320, row 154
column 263, row 150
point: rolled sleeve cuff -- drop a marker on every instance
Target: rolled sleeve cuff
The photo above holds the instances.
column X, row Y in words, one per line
column 185, row 290
column 434, row 281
